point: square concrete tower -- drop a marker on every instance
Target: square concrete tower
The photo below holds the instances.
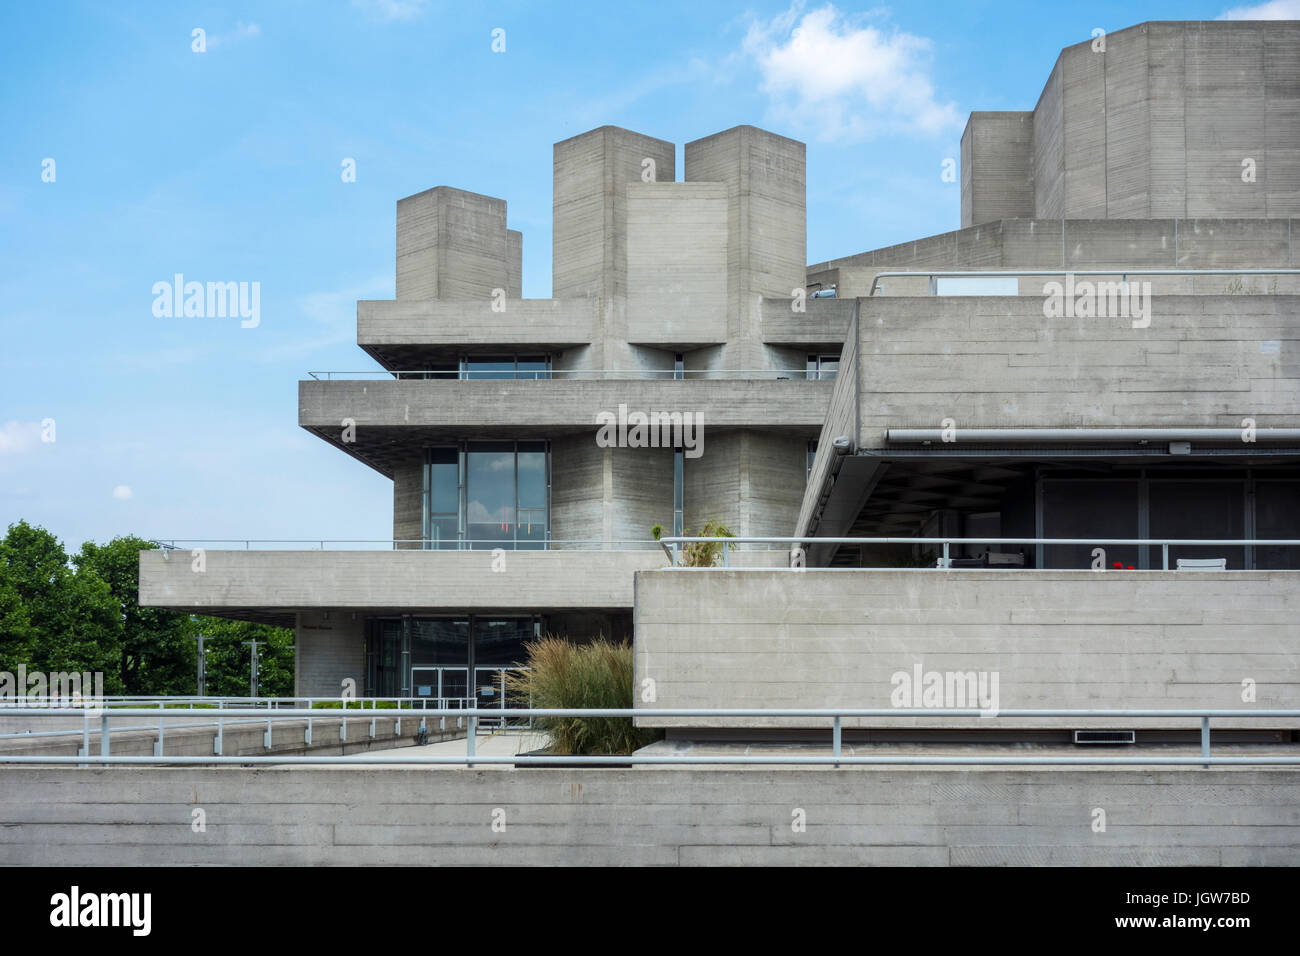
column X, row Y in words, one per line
column 454, row 244
column 592, row 171
column 765, row 175
column 997, row 167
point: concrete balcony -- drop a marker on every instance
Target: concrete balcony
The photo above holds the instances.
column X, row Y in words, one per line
column 274, row 585
column 821, row 327
column 1055, row 639
column 398, row 332
column 392, row 416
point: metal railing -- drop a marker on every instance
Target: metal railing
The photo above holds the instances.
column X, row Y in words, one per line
column 834, row 718
column 672, row 544
column 413, row 544
column 1121, row 271
column 618, row 374
column 221, row 710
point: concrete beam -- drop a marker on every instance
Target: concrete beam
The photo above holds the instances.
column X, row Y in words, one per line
column 402, row 581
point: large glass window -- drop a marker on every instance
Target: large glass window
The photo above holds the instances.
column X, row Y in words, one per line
column 440, row 659
column 485, row 495
column 442, row 491
column 453, row 660
column 490, row 494
column 1199, row 509
column 531, row 512
column 480, row 367
column 1090, row 508
column 383, row 659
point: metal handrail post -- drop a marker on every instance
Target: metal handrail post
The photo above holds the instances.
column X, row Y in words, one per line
column 1205, row 739
column 103, row 734
column 470, row 744
column 836, row 737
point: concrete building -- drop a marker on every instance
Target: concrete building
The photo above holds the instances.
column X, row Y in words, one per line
column 1131, row 404
column 512, row 516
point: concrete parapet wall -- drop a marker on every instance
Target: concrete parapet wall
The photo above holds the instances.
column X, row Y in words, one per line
column 1000, row 362
column 384, row 816
column 394, row 580
column 1057, row 640
column 1011, row 244
column 569, row 403
column 557, row 323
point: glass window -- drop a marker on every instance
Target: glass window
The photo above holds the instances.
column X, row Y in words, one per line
column 382, row 658
column 1087, row 508
column 442, row 370
column 1277, row 515
column 443, row 489
column 490, row 494
column 439, row 642
column 1198, row 509
column 490, row 367
column 500, row 643
column 532, row 495
column 821, row 367
column 533, row 367
column 481, row 367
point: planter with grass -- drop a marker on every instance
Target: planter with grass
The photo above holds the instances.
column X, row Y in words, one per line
column 593, row 675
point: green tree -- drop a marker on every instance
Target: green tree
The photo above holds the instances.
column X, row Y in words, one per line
column 227, row 668
column 53, row 618
column 155, row 655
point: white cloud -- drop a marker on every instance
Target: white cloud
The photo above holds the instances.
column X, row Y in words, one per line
column 392, row 9
column 840, row 78
column 1272, row 10
column 18, row 437
column 122, row 492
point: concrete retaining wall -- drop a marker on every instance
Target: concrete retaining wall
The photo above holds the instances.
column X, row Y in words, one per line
column 398, row 816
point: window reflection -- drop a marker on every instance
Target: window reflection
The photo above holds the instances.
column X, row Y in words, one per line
column 484, row 495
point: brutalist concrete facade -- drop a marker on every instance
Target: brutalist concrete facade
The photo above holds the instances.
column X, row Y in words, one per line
column 1157, row 121
column 661, row 289
column 694, row 296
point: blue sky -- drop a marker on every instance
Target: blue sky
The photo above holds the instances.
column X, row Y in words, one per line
column 225, row 166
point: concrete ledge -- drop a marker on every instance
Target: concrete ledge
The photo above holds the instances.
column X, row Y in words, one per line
column 386, row 816
column 556, row 404
column 392, row 580
column 541, row 323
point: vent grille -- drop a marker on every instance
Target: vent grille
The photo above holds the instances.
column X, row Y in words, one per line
column 1112, row 737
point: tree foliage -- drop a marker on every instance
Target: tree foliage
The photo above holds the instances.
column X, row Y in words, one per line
column 85, row 615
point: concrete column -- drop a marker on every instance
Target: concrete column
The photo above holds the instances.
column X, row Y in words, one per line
column 765, row 175
column 451, row 244
column 328, row 650
column 997, row 167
